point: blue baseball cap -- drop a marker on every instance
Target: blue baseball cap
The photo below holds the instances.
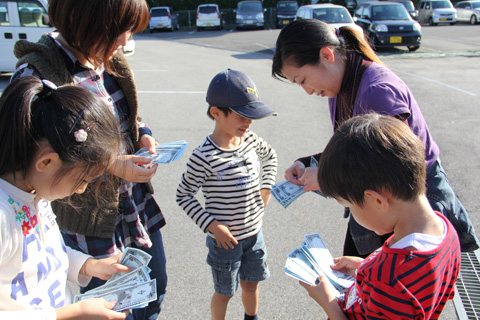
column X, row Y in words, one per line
column 235, row 90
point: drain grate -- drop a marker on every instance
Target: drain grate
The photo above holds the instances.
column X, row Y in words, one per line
column 467, row 293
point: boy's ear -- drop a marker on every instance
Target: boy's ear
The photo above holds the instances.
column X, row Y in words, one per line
column 214, row 112
column 379, row 200
column 46, row 160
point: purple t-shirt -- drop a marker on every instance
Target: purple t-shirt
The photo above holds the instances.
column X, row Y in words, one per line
column 383, row 92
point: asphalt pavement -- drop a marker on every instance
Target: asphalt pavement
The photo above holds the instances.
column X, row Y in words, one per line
column 172, row 72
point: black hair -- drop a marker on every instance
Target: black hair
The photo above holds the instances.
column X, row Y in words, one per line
column 225, row 111
column 373, row 152
column 300, row 42
column 32, row 113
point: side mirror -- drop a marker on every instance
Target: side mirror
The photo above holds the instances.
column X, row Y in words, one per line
column 265, row 10
column 468, row 7
column 234, row 10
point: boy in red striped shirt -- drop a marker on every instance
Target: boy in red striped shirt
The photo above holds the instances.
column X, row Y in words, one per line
column 375, row 165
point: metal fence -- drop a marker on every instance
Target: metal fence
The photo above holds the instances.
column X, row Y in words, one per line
column 187, row 18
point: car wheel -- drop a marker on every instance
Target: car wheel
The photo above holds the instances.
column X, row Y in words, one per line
column 199, row 29
column 430, row 22
column 452, row 23
column 151, row 30
column 473, row 19
column 413, row 48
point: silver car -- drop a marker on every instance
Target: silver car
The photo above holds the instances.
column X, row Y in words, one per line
column 434, row 12
column 468, row 11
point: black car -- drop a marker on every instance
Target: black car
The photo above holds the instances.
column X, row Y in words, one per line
column 388, row 24
column 286, row 11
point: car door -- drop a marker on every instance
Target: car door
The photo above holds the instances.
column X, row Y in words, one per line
column 362, row 17
column 20, row 20
column 461, row 11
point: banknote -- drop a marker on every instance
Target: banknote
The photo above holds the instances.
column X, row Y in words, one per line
column 134, row 289
column 127, row 296
column 165, row 152
column 313, row 259
column 286, row 192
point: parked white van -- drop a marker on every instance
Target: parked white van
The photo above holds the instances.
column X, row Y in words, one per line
column 19, row 20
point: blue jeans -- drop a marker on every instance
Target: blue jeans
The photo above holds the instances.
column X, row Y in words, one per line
column 247, row 261
column 159, row 273
column 441, row 197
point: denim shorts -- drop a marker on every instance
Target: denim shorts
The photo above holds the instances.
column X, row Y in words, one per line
column 247, row 261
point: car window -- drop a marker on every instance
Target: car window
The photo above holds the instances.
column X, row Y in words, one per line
column 207, row 9
column 441, row 4
column 408, row 5
column 476, row 5
column 250, row 6
column 159, row 12
column 390, row 12
column 287, row 6
column 332, row 15
column 4, row 18
column 358, row 11
column 300, row 13
column 31, row 13
column 460, row 5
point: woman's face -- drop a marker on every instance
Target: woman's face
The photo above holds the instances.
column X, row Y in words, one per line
column 323, row 79
column 121, row 41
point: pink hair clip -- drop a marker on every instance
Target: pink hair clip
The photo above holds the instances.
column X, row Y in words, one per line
column 82, row 135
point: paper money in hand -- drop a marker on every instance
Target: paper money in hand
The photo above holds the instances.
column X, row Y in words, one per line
column 313, row 259
column 134, row 289
column 165, row 152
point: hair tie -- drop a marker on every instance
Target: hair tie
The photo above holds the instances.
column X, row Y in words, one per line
column 48, row 87
column 339, row 36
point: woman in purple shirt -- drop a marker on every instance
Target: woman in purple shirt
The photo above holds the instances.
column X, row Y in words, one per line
column 341, row 65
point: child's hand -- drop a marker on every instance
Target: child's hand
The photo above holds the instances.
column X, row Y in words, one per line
column 104, row 268
column 127, row 167
column 149, row 142
column 266, row 196
column 96, row 309
column 222, row 235
column 324, row 294
column 347, row 264
column 309, row 179
column 295, row 170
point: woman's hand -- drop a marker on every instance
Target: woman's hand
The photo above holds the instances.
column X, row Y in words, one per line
column 309, row 179
column 148, row 141
column 104, row 268
column 347, row 264
column 294, row 172
column 128, row 168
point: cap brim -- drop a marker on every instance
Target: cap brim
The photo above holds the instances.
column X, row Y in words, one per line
column 254, row 110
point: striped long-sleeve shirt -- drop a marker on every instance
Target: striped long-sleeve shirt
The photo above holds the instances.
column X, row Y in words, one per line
column 231, row 182
column 405, row 284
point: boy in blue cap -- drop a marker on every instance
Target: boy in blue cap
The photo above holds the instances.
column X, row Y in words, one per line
column 227, row 166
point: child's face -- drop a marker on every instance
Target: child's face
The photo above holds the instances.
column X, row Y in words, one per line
column 233, row 124
column 369, row 215
column 54, row 187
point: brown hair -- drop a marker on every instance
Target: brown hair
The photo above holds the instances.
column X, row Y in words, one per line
column 93, row 26
column 300, row 42
column 373, row 152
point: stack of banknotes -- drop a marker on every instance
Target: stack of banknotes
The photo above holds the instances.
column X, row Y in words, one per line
column 313, row 259
column 165, row 152
column 131, row 290
column 286, row 192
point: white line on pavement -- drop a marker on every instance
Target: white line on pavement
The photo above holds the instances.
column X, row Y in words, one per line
column 181, row 92
column 436, row 81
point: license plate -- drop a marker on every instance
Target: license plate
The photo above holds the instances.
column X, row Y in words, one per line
column 208, row 23
column 443, row 19
column 249, row 21
column 395, row 39
column 285, row 21
column 160, row 25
